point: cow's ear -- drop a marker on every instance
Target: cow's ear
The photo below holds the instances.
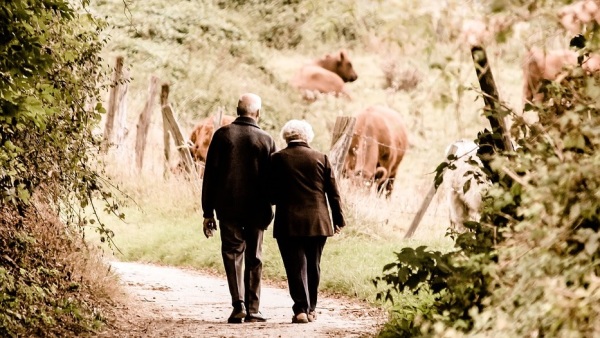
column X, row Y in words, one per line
column 342, row 55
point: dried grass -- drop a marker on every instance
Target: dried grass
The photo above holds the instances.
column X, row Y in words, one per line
column 400, row 78
column 63, row 285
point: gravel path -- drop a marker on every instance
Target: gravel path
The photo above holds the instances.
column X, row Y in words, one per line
column 173, row 302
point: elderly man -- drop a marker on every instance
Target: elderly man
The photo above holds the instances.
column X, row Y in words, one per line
column 302, row 185
column 234, row 185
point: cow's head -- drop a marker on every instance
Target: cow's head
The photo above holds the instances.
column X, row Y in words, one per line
column 202, row 135
column 361, row 165
column 340, row 64
column 200, row 140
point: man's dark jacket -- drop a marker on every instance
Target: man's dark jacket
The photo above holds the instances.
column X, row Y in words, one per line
column 302, row 181
column 235, row 176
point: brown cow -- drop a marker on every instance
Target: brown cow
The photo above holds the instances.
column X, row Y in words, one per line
column 326, row 75
column 539, row 65
column 199, row 141
column 574, row 16
column 202, row 135
column 378, row 145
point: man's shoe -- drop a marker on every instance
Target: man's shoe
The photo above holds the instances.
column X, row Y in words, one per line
column 312, row 316
column 255, row 318
column 300, row 318
column 238, row 313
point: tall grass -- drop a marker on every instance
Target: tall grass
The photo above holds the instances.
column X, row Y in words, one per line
column 165, row 226
column 212, row 51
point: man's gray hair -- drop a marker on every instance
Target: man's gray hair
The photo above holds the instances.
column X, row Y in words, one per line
column 249, row 104
column 297, row 130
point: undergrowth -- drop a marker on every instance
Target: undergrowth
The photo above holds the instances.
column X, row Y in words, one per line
column 52, row 284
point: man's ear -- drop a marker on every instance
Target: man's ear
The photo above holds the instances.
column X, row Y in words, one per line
column 257, row 114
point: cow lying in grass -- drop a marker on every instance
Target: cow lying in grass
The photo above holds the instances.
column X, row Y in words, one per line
column 326, row 75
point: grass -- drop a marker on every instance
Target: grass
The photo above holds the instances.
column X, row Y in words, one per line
column 165, row 227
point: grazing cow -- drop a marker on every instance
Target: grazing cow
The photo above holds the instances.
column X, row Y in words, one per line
column 326, row 75
column 378, row 145
column 464, row 205
column 202, row 135
column 539, row 65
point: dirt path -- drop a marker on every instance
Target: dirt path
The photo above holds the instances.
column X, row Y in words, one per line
column 172, row 302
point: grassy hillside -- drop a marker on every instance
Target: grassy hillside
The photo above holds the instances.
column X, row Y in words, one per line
column 211, row 52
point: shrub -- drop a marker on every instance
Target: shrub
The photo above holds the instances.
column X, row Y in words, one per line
column 51, row 283
column 400, row 78
column 531, row 266
column 49, row 58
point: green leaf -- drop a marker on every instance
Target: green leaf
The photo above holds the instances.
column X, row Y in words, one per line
column 23, row 194
column 467, row 186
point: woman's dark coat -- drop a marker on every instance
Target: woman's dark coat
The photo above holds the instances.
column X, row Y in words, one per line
column 301, row 184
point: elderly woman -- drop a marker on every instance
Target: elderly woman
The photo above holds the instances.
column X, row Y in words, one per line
column 302, row 184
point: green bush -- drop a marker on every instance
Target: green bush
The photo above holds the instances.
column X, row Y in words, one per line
column 530, row 267
column 49, row 58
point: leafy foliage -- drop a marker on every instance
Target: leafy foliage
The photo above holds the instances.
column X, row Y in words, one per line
column 531, row 265
column 289, row 23
column 50, row 83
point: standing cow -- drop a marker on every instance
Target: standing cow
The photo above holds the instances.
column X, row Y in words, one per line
column 326, row 75
column 378, row 145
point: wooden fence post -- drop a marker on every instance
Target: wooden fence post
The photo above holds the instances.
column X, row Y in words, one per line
column 426, row 201
column 340, row 142
column 419, row 216
column 121, row 113
column 490, row 95
column 218, row 118
column 115, row 100
column 144, row 123
column 164, row 101
column 492, row 101
column 171, row 127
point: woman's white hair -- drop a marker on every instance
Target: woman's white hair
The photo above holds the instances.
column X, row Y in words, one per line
column 297, row 130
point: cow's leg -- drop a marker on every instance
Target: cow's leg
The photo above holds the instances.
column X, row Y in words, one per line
column 389, row 186
column 381, row 179
column 381, row 188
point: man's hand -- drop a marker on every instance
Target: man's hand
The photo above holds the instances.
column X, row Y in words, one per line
column 337, row 229
column 210, row 226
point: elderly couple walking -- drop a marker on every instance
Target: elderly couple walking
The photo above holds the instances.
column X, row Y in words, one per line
column 244, row 176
